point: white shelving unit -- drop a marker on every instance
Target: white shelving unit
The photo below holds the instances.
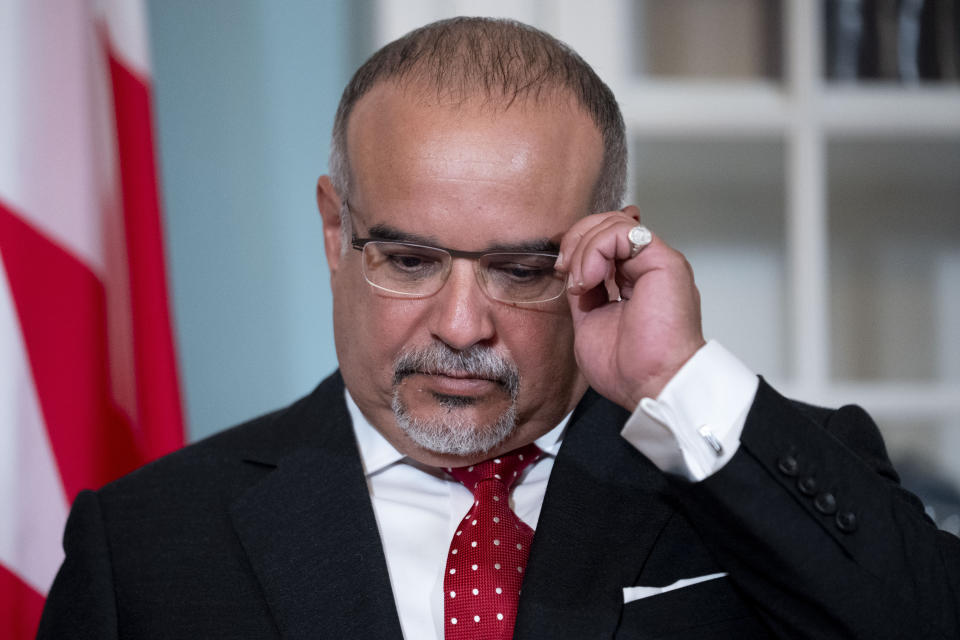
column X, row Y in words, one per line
column 822, row 220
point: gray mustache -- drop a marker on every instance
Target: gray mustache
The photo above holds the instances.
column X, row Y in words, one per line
column 475, row 362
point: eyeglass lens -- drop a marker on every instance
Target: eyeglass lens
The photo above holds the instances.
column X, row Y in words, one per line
column 419, row 271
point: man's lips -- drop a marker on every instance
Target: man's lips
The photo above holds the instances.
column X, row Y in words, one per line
column 456, row 383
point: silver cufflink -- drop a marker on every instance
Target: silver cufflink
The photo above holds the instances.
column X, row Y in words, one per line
column 711, row 439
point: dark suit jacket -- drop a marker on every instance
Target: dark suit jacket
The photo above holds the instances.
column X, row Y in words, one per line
column 267, row 530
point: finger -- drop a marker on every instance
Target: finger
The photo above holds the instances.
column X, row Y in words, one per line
column 576, row 232
column 585, row 302
column 656, row 256
column 595, row 255
column 600, row 251
column 585, row 237
column 576, row 257
column 585, row 228
column 572, row 237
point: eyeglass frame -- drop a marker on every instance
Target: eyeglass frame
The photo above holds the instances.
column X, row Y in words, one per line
column 359, row 244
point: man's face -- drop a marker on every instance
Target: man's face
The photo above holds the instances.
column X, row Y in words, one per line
column 471, row 178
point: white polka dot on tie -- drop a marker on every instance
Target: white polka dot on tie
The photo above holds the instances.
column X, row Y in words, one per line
column 477, row 503
column 469, row 468
column 476, row 592
column 496, row 542
column 496, row 519
column 473, row 544
column 496, row 461
column 520, row 456
column 514, row 474
column 474, row 567
column 474, row 523
column 476, row 618
column 499, row 616
column 519, row 546
column 496, row 565
column 453, row 551
column 453, row 621
column 459, row 532
column 496, row 498
column 497, row 476
column 452, row 571
column 453, row 594
column 499, row 590
column 519, row 569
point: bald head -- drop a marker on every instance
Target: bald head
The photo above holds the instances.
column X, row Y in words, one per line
column 499, row 63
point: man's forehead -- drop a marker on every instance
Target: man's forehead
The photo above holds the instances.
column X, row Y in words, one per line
column 402, row 148
column 389, row 107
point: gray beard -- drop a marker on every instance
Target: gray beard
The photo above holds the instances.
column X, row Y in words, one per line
column 451, row 432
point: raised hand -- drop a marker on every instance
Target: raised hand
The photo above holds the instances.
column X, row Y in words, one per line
column 628, row 349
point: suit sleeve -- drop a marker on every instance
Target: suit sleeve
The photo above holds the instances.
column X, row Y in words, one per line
column 810, row 521
column 81, row 603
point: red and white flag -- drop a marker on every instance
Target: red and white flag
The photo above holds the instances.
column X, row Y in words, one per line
column 88, row 376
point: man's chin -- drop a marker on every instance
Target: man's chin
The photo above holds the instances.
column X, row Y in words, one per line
column 454, row 424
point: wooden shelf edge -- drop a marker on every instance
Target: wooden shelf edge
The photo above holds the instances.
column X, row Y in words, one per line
column 884, row 110
column 704, row 108
column 758, row 107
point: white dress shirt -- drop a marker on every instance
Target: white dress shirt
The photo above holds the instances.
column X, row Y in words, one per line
column 417, row 508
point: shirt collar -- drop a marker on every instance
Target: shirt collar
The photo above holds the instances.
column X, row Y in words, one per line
column 376, row 452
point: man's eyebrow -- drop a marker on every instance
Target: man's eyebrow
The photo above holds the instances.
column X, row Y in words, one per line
column 386, row 232
column 538, row 245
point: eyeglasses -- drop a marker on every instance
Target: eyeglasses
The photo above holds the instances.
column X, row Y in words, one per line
column 417, row 271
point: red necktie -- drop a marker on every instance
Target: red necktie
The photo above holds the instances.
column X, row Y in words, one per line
column 488, row 553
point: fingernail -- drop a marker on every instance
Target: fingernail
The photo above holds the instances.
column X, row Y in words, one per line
column 559, row 263
column 570, row 283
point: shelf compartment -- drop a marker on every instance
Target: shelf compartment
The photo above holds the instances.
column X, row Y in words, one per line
column 721, row 39
column 894, row 232
column 721, row 202
column 910, row 43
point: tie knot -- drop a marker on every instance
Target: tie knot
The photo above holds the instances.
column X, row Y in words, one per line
column 506, row 468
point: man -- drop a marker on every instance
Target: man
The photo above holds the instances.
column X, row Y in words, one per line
column 481, row 315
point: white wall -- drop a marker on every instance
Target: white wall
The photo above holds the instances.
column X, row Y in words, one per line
column 245, row 95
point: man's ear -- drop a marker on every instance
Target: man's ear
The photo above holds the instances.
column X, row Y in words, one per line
column 329, row 204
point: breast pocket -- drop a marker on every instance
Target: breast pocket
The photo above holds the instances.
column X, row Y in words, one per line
column 709, row 609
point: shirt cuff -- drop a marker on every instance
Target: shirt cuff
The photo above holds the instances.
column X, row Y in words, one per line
column 693, row 427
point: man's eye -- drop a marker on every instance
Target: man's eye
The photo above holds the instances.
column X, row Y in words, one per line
column 407, row 262
column 412, row 263
column 519, row 273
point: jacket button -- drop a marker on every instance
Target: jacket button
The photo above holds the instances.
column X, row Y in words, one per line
column 825, row 503
column 846, row 521
column 788, row 465
column 807, row 485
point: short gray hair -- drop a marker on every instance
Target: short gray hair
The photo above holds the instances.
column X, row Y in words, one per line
column 498, row 59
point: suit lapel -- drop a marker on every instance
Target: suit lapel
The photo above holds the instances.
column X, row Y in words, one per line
column 309, row 531
column 601, row 516
column 311, row 537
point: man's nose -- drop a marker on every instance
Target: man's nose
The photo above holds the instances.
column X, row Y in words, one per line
column 462, row 314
